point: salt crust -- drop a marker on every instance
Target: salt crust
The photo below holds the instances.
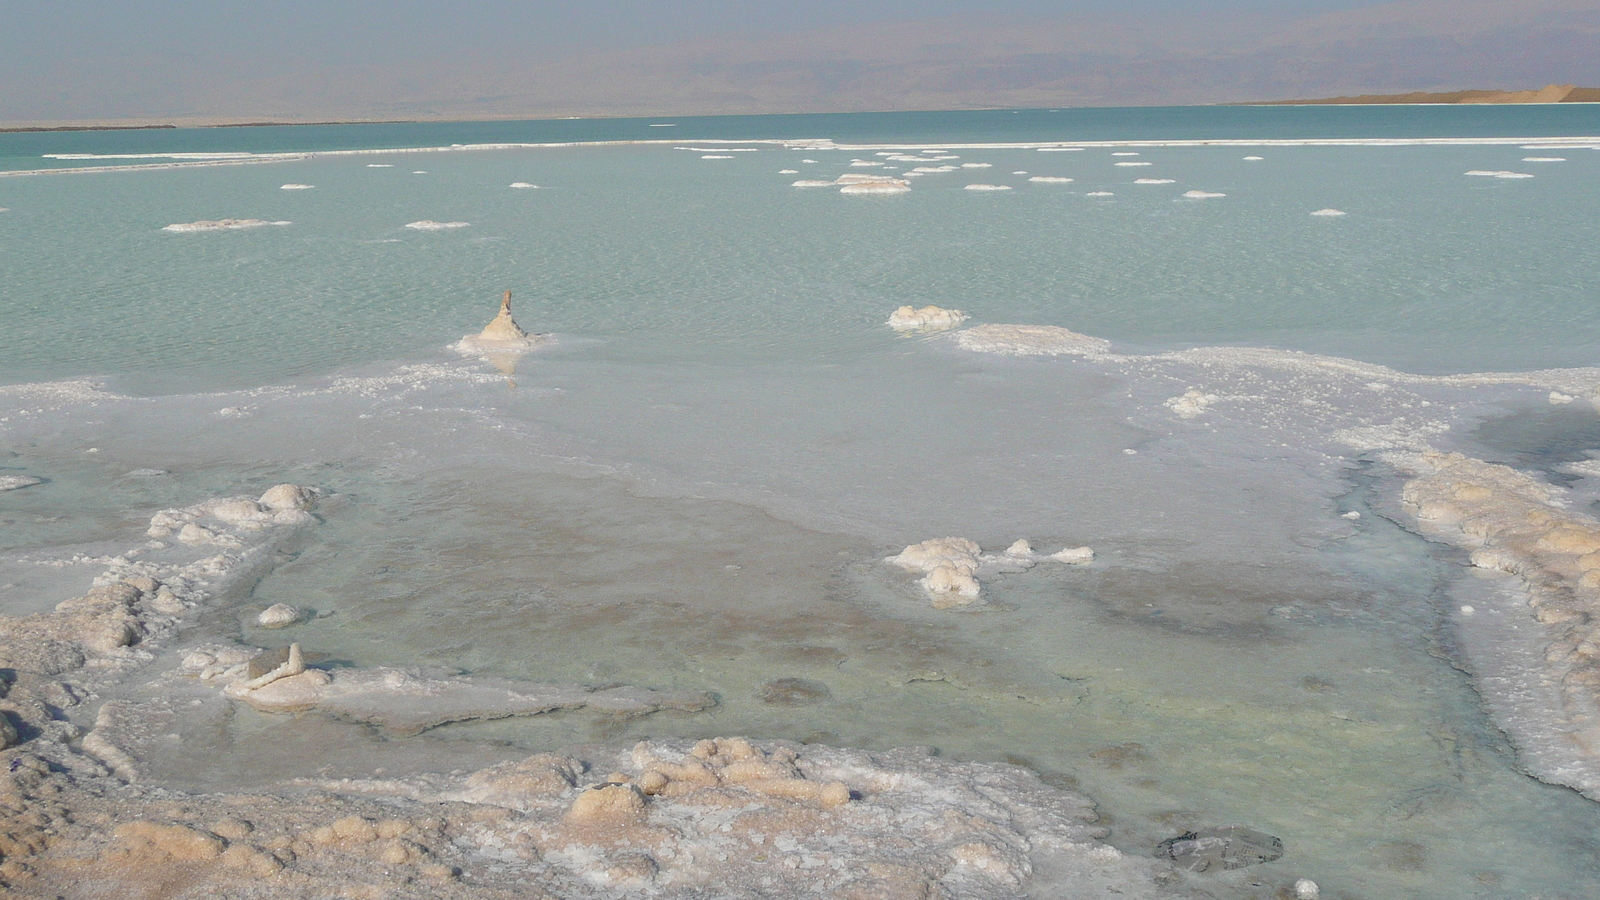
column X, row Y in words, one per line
column 1544, row 159
column 1050, row 179
column 1153, row 181
column 1030, row 340
column 928, row 318
column 727, row 817
column 430, row 225
column 1201, row 195
column 952, row 567
column 1498, row 174
column 1132, row 164
column 524, row 186
column 988, row 187
column 1100, row 194
column 1330, row 213
column 220, row 225
column 296, row 187
column 1126, row 153
column 1191, row 404
column 17, row 482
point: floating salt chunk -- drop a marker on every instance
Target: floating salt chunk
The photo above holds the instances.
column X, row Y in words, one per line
column 977, row 165
column 523, row 185
column 18, row 482
column 988, row 187
column 806, row 183
column 1191, row 404
column 279, row 615
column 1254, row 158
column 1153, row 181
column 1329, row 213
column 928, row 318
column 715, row 156
column 430, row 225
column 1125, row 153
column 1202, row 195
column 296, row 187
column 1352, row 515
column 380, row 165
column 1484, row 173
column 1133, row 164
column 1050, row 179
column 219, row 225
column 1073, row 556
column 812, row 161
column 1558, row 398
column 876, row 188
column 1100, row 194
column 1544, row 159
column 1467, row 610
column 1306, row 889
column 788, row 171
column 1059, row 149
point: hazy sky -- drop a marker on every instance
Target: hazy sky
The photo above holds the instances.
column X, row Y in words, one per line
column 81, row 60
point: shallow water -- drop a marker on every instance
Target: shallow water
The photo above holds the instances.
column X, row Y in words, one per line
column 696, row 485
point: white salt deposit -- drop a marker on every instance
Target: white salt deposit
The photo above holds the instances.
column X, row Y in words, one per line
column 812, row 161
column 1019, row 173
column 1050, row 179
column 1254, row 158
column 1153, row 181
column 430, row 225
column 788, row 171
column 296, row 187
column 1059, row 149
column 988, row 187
column 977, row 165
column 862, row 178
column 1029, row 340
column 1306, row 889
column 715, row 156
column 1191, row 404
column 807, row 183
column 928, row 318
column 1100, row 194
column 17, row 482
column 1202, row 195
column 1125, row 153
column 1543, row 159
column 501, row 336
column 952, row 567
column 523, row 185
column 1484, row 173
column 1133, row 164
column 279, row 615
column 1329, row 212
column 220, row 225
column 865, row 163
column 419, row 172
column 929, row 170
column 380, row 165
column 876, row 188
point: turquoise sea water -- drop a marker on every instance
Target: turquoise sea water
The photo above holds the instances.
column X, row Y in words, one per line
column 695, row 485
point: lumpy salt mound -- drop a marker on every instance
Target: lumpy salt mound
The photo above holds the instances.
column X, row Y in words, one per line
column 928, row 318
column 502, row 335
column 952, row 566
column 1030, row 340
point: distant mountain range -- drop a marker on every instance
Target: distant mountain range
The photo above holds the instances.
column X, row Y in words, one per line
column 1553, row 93
column 1099, row 59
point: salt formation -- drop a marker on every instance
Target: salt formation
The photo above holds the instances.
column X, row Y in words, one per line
column 977, row 165
column 1100, row 194
column 1030, row 340
column 788, row 171
column 1153, row 181
column 1125, row 153
column 1306, row 889
column 1330, row 213
column 988, row 187
column 928, row 318
column 501, row 336
column 16, row 482
column 296, row 187
column 1482, row 173
column 1254, row 158
column 1133, row 164
column 1230, row 847
column 1201, row 195
column 715, row 156
column 669, row 819
column 220, row 225
column 805, row 183
column 410, row 701
column 1513, row 523
column 279, row 615
column 1050, row 179
column 523, row 185
column 951, row 566
column 876, row 188
column 1544, row 159
column 430, row 225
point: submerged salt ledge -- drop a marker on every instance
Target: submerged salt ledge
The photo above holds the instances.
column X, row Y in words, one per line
column 951, row 567
column 1029, row 340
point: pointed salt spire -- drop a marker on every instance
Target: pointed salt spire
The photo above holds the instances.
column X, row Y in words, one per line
column 503, row 328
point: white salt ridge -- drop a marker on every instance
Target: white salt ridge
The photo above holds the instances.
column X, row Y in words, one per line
column 1329, row 212
column 296, row 187
column 1030, row 340
column 928, row 318
column 1153, row 181
column 977, row 165
column 952, row 566
column 1127, row 164
column 1543, row 159
column 18, row 482
column 430, row 225
column 715, row 156
column 523, row 185
column 1254, row 158
column 419, row 172
column 812, row 182
column 1484, row 173
column 988, row 187
column 788, row 171
column 1059, row 149
column 1126, row 153
column 220, row 225
column 1050, row 179
column 876, row 188
column 1202, row 195
column 380, row 165
column 865, row 163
